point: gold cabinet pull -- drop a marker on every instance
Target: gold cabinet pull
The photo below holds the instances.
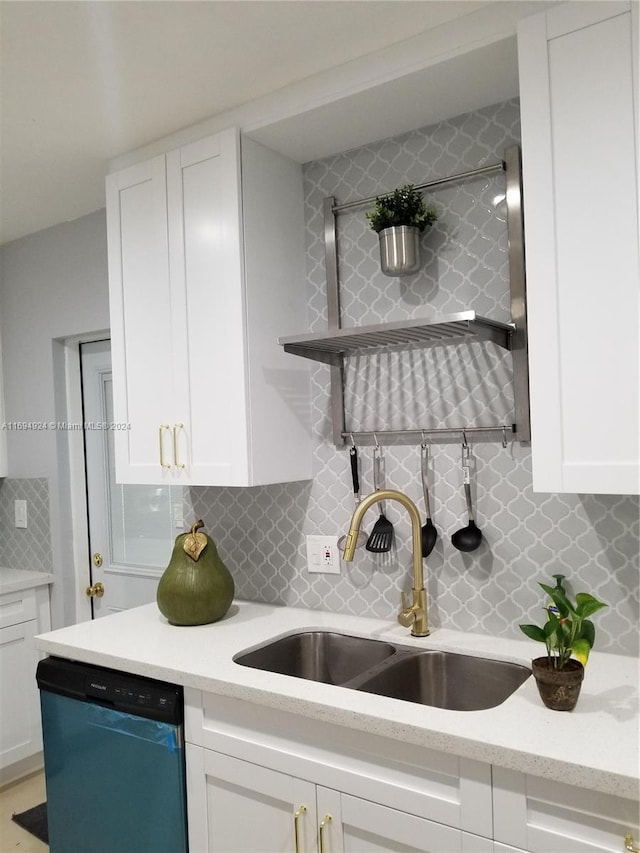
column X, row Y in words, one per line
column 176, row 462
column 95, row 591
column 629, row 846
column 302, row 810
column 323, row 824
column 163, row 464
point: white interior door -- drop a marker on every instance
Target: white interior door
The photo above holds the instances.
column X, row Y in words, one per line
column 131, row 527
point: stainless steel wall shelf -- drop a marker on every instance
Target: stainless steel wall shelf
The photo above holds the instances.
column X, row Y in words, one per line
column 336, row 344
column 450, row 329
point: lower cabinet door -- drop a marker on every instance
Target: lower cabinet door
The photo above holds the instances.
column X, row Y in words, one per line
column 348, row 824
column 543, row 816
column 20, row 729
column 247, row 808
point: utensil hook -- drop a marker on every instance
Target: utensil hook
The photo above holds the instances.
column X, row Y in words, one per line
column 504, row 437
column 465, row 451
column 353, row 441
column 424, row 447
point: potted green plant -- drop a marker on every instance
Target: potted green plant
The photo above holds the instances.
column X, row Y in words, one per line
column 399, row 218
column 568, row 635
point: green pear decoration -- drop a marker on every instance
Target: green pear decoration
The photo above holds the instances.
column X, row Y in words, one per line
column 196, row 587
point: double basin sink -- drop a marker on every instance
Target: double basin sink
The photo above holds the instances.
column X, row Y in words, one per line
column 448, row 680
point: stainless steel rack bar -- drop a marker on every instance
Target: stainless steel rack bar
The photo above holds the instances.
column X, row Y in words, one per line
column 334, row 345
column 445, row 435
column 439, row 182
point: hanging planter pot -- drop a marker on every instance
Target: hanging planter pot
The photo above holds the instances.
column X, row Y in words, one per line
column 399, row 218
column 399, row 250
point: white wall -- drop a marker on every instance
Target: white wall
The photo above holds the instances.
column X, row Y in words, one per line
column 53, row 285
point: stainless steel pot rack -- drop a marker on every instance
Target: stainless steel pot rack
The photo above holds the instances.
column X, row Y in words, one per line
column 334, row 345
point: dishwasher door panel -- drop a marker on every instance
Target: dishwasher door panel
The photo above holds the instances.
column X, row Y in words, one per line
column 115, row 781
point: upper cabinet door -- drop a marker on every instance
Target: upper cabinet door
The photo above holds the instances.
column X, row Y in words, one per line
column 207, row 274
column 580, row 161
column 206, row 247
column 140, row 306
column 3, row 431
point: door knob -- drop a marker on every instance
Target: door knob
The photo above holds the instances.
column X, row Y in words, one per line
column 95, row 591
column 97, row 560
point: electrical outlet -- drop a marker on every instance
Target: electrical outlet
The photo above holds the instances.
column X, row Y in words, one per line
column 20, row 513
column 323, row 554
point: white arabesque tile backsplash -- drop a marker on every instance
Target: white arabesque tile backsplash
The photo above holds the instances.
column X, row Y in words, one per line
column 26, row 548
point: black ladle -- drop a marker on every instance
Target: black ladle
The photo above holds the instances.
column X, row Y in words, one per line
column 429, row 532
column 467, row 538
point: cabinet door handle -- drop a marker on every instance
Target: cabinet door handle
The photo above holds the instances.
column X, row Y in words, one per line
column 176, row 461
column 302, row 810
column 629, row 846
column 163, row 464
column 323, row 825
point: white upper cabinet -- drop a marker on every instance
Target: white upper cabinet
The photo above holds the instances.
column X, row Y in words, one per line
column 578, row 90
column 3, row 432
column 206, row 270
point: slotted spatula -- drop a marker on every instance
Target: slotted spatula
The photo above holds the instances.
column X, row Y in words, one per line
column 381, row 537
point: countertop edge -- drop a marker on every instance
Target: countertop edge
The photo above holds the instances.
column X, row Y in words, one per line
column 17, row 580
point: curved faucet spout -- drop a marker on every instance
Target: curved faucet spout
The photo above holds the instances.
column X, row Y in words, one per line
column 416, row 614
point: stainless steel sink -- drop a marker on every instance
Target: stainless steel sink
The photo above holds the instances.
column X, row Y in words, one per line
column 446, row 680
column 318, row 656
column 442, row 679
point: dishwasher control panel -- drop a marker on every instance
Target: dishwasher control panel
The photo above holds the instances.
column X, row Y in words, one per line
column 132, row 694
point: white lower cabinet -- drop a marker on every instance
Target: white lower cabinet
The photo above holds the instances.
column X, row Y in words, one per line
column 543, row 816
column 265, row 781
column 254, row 809
column 22, row 615
column 256, row 778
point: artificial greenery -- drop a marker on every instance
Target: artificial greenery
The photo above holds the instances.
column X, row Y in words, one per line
column 567, row 631
column 404, row 206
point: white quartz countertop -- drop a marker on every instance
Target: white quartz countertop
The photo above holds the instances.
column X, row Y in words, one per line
column 595, row 746
column 16, row 580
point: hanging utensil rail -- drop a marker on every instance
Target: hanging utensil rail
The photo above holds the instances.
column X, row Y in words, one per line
column 449, row 435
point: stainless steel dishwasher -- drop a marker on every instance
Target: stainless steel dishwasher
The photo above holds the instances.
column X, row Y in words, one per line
column 114, row 760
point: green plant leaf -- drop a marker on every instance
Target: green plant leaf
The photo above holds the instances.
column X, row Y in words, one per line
column 533, row 632
column 587, row 605
column 559, row 598
column 588, row 633
column 551, row 626
column 581, row 649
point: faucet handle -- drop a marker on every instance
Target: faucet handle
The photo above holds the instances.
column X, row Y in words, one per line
column 407, row 615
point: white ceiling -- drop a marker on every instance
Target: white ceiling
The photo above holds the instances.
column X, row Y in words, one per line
column 84, row 82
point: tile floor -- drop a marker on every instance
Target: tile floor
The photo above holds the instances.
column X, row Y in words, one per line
column 17, row 798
